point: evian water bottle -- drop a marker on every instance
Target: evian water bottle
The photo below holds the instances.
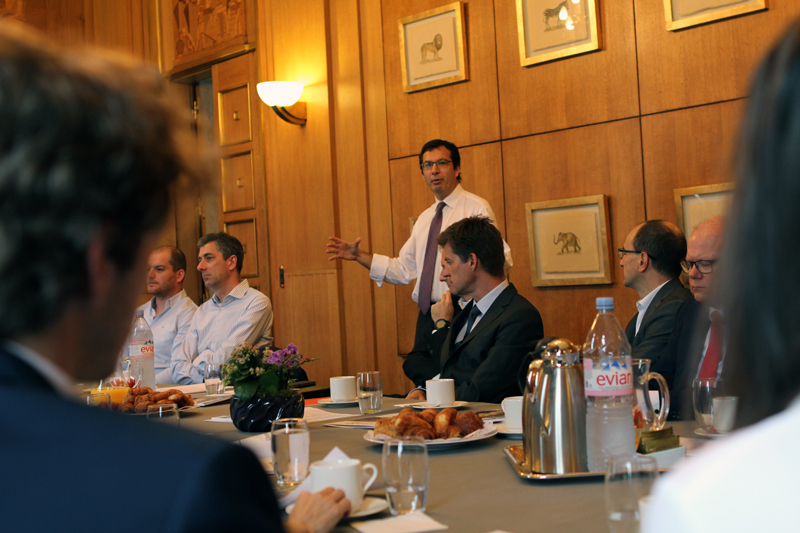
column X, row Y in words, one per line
column 140, row 346
column 608, row 385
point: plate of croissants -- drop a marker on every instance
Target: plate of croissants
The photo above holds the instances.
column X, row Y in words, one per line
column 443, row 428
column 140, row 398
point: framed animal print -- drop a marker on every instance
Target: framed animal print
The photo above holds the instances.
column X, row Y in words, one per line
column 569, row 241
column 682, row 14
column 555, row 29
column 694, row 205
column 433, row 49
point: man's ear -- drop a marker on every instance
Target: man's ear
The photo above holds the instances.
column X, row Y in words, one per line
column 181, row 273
column 644, row 261
column 474, row 262
column 232, row 260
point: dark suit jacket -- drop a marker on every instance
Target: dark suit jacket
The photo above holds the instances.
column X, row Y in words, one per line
column 421, row 363
column 658, row 322
column 679, row 359
column 69, row 467
column 485, row 364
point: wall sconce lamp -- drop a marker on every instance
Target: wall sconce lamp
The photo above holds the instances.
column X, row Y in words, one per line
column 282, row 97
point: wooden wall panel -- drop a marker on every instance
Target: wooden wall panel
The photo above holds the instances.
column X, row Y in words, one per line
column 687, row 148
column 579, row 90
column 702, row 64
column 119, row 25
column 602, row 159
column 464, row 113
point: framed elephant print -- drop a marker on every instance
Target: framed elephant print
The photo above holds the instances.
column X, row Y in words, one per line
column 694, row 205
column 682, row 14
column 569, row 242
column 555, row 29
column 433, row 49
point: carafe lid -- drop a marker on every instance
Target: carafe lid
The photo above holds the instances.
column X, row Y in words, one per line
column 561, row 352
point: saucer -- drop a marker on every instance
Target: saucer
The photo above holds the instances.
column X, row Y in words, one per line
column 369, row 506
column 705, row 433
column 329, row 402
column 502, row 430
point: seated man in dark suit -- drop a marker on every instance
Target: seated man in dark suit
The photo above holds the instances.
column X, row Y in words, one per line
column 651, row 264
column 482, row 350
column 89, row 157
column 695, row 349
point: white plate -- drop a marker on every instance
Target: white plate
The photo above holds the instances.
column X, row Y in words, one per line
column 369, row 506
column 488, row 430
column 705, row 433
column 425, row 405
column 328, row 402
column 503, row 430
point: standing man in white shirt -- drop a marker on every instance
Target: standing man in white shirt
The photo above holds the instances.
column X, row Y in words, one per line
column 420, row 256
column 651, row 263
column 235, row 314
column 170, row 311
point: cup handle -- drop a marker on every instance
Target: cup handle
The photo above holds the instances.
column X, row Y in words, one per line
column 369, row 483
column 663, row 399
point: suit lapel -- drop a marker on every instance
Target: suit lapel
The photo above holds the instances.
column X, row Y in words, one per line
column 653, row 307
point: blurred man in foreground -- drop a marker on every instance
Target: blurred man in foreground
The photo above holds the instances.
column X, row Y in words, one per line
column 89, row 154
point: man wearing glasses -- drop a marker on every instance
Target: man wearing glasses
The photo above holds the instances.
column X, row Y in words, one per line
column 695, row 348
column 650, row 262
column 420, row 257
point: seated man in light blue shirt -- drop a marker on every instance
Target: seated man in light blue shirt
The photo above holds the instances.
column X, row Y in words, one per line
column 170, row 311
column 235, row 314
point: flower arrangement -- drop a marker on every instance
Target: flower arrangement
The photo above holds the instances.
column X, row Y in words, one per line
column 261, row 372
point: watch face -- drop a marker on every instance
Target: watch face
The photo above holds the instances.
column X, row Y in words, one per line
column 441, row 323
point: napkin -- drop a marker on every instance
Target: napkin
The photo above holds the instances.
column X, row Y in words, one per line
column 225, row 418
column 305, row 486
column 415, row 522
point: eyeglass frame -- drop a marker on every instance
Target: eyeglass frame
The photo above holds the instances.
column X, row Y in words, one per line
column 687, row 266
column 621, row 251
column 441, row 163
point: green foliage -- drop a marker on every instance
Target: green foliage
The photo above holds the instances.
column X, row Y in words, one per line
column 261, row 373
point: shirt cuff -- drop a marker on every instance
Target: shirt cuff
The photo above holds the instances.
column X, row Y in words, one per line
column 377, row 271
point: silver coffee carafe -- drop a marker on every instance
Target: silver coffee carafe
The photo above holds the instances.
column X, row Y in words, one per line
column 554, row 411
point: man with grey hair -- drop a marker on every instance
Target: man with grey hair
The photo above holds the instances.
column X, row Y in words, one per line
column 90, row 154
column 236, row 313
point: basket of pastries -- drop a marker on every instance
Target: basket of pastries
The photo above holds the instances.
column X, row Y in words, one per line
column 432, row 425
column 140, row 398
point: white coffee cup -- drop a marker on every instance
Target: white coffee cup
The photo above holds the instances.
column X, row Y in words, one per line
column 512, row 407
column 343, row 389
column 440, row 392
column 345, row 474
column 724, row 413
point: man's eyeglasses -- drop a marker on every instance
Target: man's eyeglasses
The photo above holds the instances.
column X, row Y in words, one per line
column 704, row 266
column 442, row 163
column 622, row 251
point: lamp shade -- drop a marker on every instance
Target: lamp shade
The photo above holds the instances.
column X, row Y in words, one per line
column 280, row 93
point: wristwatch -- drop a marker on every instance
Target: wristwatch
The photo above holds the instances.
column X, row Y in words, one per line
column 442, row 323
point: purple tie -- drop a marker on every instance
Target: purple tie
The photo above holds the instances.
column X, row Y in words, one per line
column 426, row 278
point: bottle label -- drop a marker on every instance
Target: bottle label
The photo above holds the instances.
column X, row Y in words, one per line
column 141, row 349
column 613, row 379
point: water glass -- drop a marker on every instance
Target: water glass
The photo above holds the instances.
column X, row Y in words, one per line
column 290, row 449
column 628, row 479
column 406, row 474
column 99, row 400
column 704, row 390
column 213, row 378
column 370, row 392
column 164, row 412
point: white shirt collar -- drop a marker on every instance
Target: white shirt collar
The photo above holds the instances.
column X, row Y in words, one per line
column 55, row 376
column 170, row 303
column 486, row 302
column 644, row 303
column 453, row 197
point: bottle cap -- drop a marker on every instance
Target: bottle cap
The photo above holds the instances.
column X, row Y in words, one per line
column 140, row 312
column 605, row 303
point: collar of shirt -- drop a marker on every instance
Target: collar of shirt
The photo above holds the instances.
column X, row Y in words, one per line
column 452, row 199
column 54, row 375
column 236, row 294
column 644, row 303
column 486, row 302
column 712, row 310
column 169, row 305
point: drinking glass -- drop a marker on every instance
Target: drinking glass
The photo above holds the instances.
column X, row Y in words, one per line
column 370, row 392
column 628, row 479
column 164, row 412
column 99, row 400
column 213, row 378
column 405, row 473
column 290, row 448
column 704, row 390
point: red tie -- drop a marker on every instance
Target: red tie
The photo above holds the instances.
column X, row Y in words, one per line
column 714, row 352
column 426, row 278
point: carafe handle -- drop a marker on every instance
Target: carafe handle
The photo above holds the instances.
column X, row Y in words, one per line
column 663, row 399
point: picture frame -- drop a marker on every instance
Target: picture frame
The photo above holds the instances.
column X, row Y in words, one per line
column 555, row 29
column 569, row 242
column 682, row 14
column 433, row 48
column 694, row 205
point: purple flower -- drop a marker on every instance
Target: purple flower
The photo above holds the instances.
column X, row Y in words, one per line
column 276, row 358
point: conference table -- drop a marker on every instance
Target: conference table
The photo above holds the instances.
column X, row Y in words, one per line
column 473, row 488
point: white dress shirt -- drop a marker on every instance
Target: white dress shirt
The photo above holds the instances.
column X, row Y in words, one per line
column 644, row 303
column 244, row 315
column 169, row 328
column 404, row 268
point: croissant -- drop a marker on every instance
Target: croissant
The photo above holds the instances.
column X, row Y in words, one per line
column 144, row 398
column 468, row 422
column 425, row 431
column 404, row 422
column 443, row 420
column 451, row 432
column 428, row 415
column 386, row 427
